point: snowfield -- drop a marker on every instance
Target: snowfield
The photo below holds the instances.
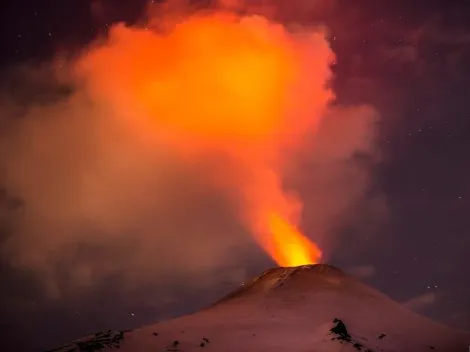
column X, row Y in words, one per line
column 311, row 308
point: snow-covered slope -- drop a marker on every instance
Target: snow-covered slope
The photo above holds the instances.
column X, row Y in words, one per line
column 312, row 308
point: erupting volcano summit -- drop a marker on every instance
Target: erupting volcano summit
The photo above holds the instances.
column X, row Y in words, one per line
column 311, row 308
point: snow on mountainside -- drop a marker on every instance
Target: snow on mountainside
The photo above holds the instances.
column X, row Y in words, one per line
column 311, row 308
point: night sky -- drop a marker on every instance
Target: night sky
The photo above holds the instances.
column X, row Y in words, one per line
column 408, row 59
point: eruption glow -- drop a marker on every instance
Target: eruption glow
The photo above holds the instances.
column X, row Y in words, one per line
column 218, row 83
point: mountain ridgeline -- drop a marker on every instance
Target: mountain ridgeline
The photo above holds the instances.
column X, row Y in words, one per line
column 310, row 308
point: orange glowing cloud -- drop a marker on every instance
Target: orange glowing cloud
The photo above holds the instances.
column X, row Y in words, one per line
column 242, row 87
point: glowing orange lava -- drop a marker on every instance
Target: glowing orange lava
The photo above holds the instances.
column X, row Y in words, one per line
column 289, row 247
column 218, row 83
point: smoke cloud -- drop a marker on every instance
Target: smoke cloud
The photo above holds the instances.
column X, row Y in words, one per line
column 167, row 148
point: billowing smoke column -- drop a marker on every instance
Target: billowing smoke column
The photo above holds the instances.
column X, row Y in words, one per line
column 241, row 87
column 172, row 141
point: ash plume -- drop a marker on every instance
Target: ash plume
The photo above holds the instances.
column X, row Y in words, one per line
column 172, row 143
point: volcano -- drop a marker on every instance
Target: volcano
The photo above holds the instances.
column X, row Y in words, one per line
column 309, row 308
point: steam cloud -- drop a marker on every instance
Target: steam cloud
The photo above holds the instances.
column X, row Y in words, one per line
column 107, row 170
